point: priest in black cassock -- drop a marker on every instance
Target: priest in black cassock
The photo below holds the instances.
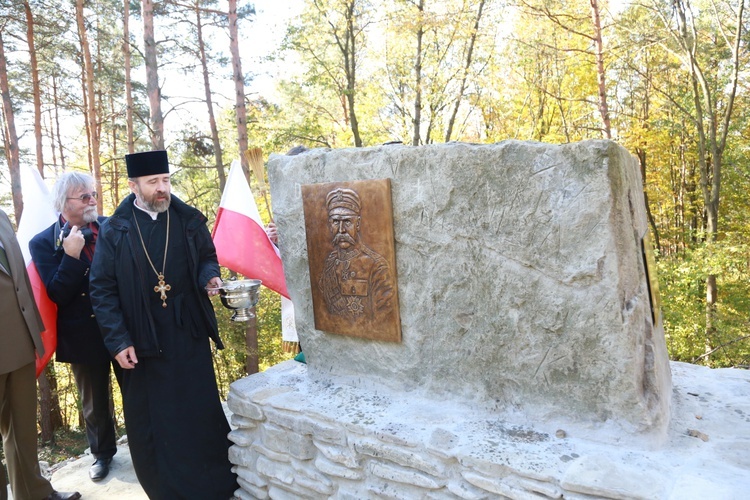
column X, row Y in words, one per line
column 153, row 261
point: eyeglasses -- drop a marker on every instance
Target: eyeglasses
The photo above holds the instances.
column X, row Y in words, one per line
column 85, row 197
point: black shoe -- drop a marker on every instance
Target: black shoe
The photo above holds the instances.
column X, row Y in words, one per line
column 100, row 469
column 61, row 495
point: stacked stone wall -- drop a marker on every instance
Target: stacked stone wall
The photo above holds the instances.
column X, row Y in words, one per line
column 294, row 438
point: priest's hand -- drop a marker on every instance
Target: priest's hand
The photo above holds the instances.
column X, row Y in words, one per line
column 126, row 358
column 213, row 286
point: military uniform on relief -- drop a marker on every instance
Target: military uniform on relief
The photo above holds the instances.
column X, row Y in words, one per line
column 355, row 282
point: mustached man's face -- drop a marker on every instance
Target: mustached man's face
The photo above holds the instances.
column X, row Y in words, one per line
column 344, row 229
column 152, row 192
column 80, row 206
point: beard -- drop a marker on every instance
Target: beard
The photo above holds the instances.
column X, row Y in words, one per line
column 90, row 214
column 153, row 203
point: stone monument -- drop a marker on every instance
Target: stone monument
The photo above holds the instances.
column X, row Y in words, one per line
column 521, row 277
column 526, row 326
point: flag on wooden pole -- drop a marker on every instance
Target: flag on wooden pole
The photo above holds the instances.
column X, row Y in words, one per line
column 38, row 214
column 240, row 239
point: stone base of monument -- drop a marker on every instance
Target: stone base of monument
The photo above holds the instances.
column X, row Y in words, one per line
column 296, row 438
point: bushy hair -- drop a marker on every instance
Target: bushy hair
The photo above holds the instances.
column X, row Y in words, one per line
column 66, row 184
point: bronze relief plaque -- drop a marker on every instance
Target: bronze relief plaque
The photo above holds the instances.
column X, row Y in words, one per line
column 352, row 258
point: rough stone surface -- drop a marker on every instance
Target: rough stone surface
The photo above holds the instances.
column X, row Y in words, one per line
column 488, row 457
column 521, row 279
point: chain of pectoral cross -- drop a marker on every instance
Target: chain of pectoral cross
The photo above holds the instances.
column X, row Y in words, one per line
column 162, row 288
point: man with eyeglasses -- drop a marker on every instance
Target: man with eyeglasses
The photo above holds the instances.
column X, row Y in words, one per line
column 63, row 254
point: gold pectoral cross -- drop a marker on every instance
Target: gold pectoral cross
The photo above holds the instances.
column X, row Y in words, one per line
column 162, row 288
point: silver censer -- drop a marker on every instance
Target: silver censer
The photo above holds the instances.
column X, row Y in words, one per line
column 240, row 296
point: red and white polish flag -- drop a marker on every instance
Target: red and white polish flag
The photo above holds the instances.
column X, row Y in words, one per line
column 242, row 244
column 38, row 214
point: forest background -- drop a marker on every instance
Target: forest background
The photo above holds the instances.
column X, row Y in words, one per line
column 85, row 82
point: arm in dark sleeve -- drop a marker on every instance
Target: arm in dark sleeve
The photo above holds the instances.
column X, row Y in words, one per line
column 208, row 265
column 105, row 297
column 63, row 276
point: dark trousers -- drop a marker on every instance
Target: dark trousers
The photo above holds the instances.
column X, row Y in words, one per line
column 93, row 384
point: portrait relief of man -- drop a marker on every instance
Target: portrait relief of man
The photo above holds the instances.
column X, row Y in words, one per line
column 354, row 283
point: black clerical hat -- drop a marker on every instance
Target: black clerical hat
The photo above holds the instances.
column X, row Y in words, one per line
column 147, row 163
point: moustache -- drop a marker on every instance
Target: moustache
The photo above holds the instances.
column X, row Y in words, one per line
column 343, row 237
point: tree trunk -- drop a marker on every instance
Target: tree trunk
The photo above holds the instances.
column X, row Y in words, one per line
column 417, row 121
column 58, row 135
column 86, row 121
column 218, row 156
column 14, row 164
column 128, row 82
column 251, row 334
column 152, row 75
column 113, row 181
column 252, row 364
column 6, row 141
column 36, row 91
column 51, row 136
column 50, row 417
column 93, row 124
column 239, row 88
column 47, row 434
column 350, row 64
column 467, row 66
column 600, row 76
